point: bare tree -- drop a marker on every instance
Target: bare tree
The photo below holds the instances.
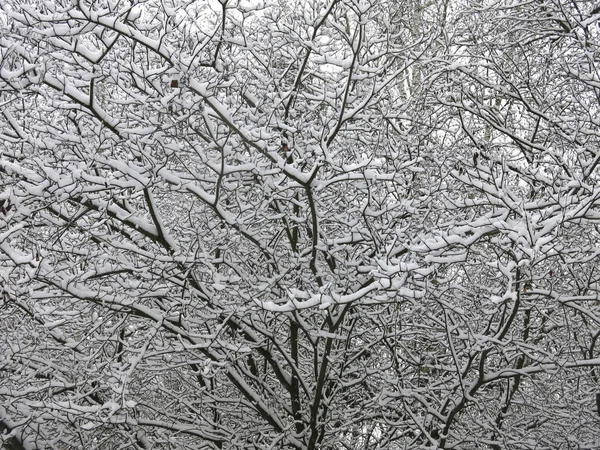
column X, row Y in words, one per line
column 298, row 225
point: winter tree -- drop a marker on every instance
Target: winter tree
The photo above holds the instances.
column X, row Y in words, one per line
column 299, row 224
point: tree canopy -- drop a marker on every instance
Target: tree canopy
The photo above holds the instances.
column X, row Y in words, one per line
column 321, row 224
